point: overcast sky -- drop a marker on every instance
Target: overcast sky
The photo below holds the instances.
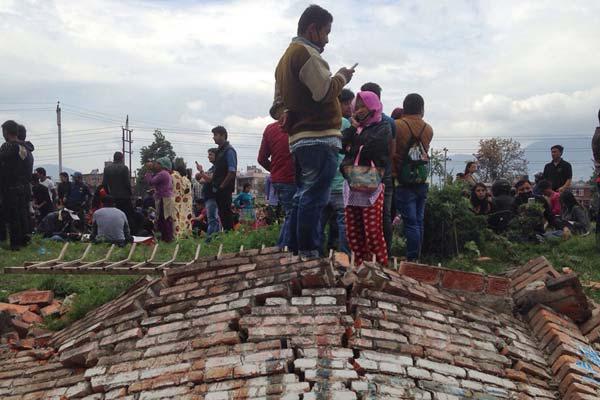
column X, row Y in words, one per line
column 523, row 69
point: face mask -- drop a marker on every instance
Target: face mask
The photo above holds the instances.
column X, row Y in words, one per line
column 363, row 118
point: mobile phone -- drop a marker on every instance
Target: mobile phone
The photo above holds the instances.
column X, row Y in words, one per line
column 354, row 66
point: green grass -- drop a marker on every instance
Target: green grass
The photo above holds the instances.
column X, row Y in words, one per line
column 95, row 290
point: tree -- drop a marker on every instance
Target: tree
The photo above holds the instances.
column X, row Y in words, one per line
column 500, row 158
column 161, row 147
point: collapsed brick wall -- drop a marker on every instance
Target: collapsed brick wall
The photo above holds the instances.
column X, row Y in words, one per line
column 262, row 324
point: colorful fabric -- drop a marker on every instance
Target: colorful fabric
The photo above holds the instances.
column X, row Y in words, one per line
column 274, row 154
column 182, row 190
column 364, row 229
column 372, row 102
column 165, row 162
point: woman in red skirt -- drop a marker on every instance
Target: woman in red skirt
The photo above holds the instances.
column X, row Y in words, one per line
column 365, row 145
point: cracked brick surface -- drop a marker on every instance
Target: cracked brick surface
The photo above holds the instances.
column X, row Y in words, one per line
column 263, row 325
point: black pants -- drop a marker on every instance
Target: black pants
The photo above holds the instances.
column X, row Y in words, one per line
column 126, row 206
column 2, row 223
column 224, row 199
column 15, row 208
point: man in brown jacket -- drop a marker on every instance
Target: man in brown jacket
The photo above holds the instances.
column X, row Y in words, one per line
column 306, row 95
column 410, row 198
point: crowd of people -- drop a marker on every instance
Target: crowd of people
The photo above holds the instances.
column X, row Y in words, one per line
column 340, row 168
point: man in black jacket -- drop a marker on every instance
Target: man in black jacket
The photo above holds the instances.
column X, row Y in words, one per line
column 117, row 182
column 15, row 173
column 223, row 180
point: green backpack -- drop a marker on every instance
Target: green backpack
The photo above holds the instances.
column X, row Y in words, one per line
column 415, row 165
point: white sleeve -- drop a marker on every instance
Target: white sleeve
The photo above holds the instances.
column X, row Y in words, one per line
column 316, row 76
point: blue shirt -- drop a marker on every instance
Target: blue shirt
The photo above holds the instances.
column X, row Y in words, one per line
column 231, row 158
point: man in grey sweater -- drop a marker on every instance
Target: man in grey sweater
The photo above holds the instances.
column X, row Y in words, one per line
column 110, row 224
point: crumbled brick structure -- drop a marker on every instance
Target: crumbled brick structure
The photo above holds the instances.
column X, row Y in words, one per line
column 261, row 324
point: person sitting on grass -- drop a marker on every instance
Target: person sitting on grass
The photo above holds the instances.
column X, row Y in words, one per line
column 59, row 226
column 480, row 199
column 553, row 198
column 573, row 215
column 524, row 199
column 110, row 224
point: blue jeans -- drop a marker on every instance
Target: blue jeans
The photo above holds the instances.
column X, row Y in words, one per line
column 212, row 215
column 285, row 194
column 315, row 168
column 334, row 214
column 410, row 202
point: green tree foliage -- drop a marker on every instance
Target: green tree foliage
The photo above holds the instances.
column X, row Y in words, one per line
column 500, row 158
column 161, row 147
column 449, row 223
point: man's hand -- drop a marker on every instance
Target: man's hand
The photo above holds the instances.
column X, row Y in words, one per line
column 199, row 167
column 346, row 73
column 283, row 119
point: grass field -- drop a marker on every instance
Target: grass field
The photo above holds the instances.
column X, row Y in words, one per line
column 578, row 253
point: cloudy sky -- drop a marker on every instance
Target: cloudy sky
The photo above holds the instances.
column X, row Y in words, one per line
column 522, row 69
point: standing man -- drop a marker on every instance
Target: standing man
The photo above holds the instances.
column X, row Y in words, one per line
column 596, row 152
column 46, row 182
column 306, row 95
column 64, row 186
column 15, row 175
column 274, row 156
column 558, row 171
column 223, row 180
column 79, row 195
column 117, row 182
column 411, row 193
column 387, row 177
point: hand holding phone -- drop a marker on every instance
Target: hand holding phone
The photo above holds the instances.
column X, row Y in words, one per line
column 354, row 66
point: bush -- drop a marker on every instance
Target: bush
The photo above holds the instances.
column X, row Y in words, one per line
column 450, row 224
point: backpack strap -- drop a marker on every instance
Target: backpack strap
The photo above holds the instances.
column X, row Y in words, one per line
column 412, row 137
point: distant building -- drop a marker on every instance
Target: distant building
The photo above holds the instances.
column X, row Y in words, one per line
column 256, row 177
column 583, row 193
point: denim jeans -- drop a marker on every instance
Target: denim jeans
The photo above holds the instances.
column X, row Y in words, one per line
column 410, row 202
column 334, row 214
column 315, row 168
column 212, row 217
column 285, row 194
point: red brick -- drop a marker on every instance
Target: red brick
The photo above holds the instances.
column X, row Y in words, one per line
column 464, row 281
column 52, row 309
column 31, row 318
column 422, row 273
column 13, row 309
column 498, row 286
column 513, row 375
column 42, row 297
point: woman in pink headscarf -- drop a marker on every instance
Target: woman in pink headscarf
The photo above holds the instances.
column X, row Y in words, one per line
column 365, row 143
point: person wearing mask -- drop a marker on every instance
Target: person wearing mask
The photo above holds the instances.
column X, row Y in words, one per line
column 223, row 179
column 79, row 195
column 274, row 156
column 480, row 200
column 117, row 182
column 334, row 213
column 306, row 99
column 182, row 190
column 468, row 177
column 42, row 203
column 46, row 182
column 63, row 188
column 208, row 194
column 387, row 178
column 244, row 202
column 109, row 224
column 413, row 137
column 558, row 171
column 551, row 196
column 366, row 144
column 159, row 178
column 15, row 188
column 573, row 215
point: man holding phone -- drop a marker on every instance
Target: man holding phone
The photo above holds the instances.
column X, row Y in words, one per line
column 306, row 97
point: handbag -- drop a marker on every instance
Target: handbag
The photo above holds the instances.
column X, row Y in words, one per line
column 362, row 178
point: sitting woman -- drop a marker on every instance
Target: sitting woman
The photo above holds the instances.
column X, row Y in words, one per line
column 480, row 200
column 365, row 143
column 573, row 215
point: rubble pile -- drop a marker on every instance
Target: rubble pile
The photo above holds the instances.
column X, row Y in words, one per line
column 21, row 316
column 262, row 324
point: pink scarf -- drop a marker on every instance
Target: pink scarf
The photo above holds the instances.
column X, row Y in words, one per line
column 373, row 103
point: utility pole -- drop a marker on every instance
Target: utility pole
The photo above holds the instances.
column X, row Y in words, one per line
column 58, row 124
column 445, row 169
column 126, row 138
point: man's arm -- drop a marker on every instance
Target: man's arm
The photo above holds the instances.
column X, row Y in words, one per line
column 126, row 232
column 231, row 167
column 230, row 177
column 569, row 174
column 126, row 177
column 315, row 74
column 264, row 153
